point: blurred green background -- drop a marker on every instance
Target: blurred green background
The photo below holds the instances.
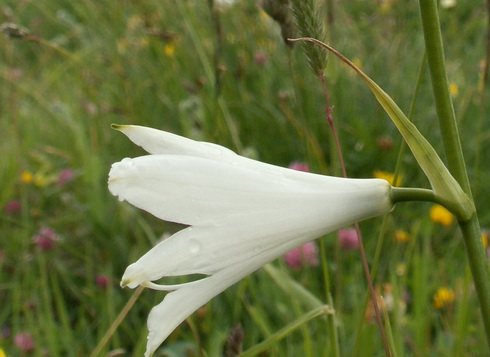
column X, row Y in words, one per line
column 82, row 65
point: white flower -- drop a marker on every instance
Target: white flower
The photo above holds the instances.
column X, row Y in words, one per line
column 241, row 214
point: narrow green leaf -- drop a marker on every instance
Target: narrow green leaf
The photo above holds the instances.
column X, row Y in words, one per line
column 292, row 287
column 279, row 335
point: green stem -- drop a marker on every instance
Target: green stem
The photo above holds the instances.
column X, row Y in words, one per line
column 442, row 96
column 479, row 268
column 454, row 153
column 404, row 194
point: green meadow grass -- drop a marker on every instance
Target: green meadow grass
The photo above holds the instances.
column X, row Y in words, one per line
column 91, row 63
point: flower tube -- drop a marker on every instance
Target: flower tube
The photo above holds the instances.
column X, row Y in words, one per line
column 241, row 214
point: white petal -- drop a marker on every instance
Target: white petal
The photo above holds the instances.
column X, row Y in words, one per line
column 210, row 248
column 179, row 304
column 161, row 142
column 198, row 191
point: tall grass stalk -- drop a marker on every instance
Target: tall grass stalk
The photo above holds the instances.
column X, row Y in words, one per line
column 307, row 19
column 454, row 153
column 334, row 335
column 384, row 223
column 374, row 297
column 115, row 324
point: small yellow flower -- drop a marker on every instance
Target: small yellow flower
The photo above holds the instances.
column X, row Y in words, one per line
column 388, row 176
column 385, row 6
column 263, row 15
column 402, row 236
column 122, row 45
column 169, row 49
column 453, row 89
column 401, row 269
column 2, row 353
column 484, row 239
column 27, row 177
column 443, row 297
column 143, row 42
column 357, row 62
column 439, row 214
column 41, row 180
column 134, row 22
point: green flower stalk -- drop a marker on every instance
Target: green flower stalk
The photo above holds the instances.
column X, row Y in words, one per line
column 452, row 146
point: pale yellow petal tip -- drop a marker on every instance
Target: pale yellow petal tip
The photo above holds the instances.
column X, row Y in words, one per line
column 130, row 283
column 125, row 282
column 120, row 127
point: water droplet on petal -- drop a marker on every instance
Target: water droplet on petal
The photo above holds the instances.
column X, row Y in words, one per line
column 194, row 246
